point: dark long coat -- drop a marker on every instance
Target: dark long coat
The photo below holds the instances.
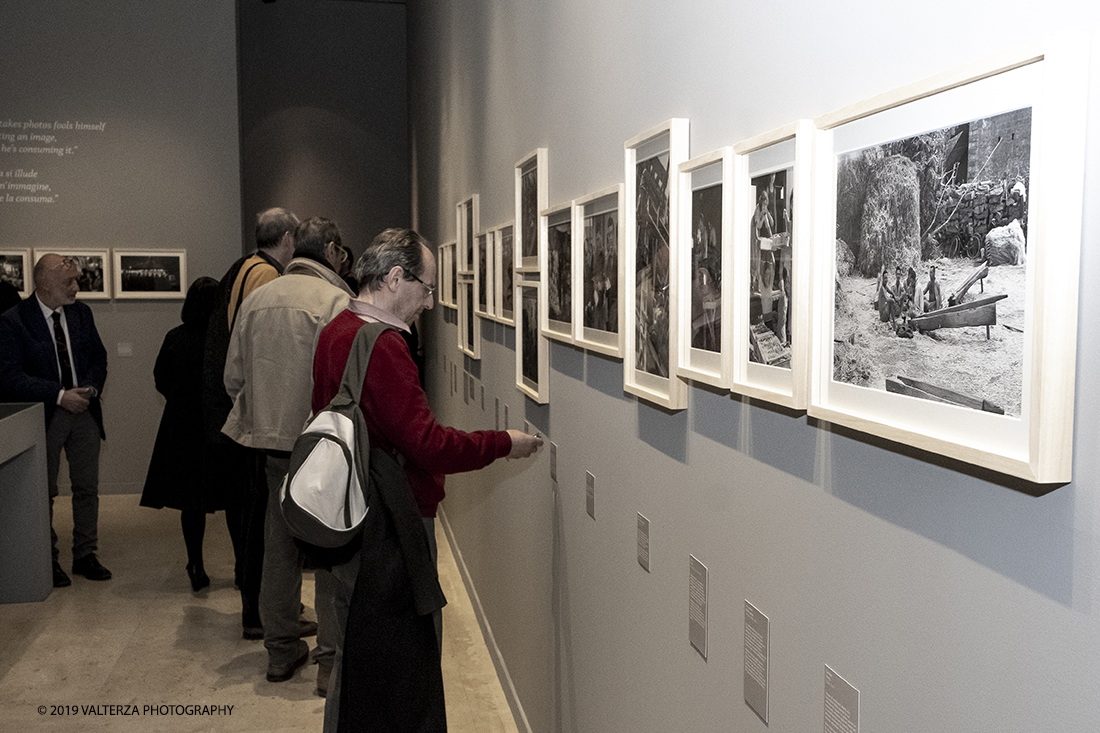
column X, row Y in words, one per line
column 176, row 476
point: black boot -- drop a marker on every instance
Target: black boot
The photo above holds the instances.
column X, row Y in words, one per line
column 198, row 576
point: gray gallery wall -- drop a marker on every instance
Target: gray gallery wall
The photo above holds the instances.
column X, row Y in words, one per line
column 162, row 174
column 324, row 122
column 323, row 125
column 952, row 602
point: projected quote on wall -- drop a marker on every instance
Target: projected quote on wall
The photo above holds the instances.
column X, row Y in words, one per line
column 33, row 153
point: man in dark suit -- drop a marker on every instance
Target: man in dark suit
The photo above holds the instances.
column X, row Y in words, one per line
column 51, row 353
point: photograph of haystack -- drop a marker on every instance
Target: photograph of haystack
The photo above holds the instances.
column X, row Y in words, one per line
column 601, row 271
column 931, row 264
column 652, row 266
column 770, row 267
column 706, row 268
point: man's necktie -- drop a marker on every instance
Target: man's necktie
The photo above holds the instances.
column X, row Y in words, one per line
column 62, row 352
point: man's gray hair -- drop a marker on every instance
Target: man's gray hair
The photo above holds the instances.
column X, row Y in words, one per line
column 272, row 224
column 311, row 236
column 402, row 248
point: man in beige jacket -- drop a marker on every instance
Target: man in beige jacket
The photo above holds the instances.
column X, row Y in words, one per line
column 268, row 376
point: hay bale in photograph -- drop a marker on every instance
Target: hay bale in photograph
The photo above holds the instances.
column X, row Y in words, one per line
column 1005, row 245
column 845, row 260
column 890, row 227
column 852, row 175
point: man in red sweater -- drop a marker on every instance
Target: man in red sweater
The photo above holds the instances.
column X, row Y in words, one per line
column 393, row 274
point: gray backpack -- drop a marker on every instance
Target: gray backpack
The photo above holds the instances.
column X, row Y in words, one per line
column 324, row 495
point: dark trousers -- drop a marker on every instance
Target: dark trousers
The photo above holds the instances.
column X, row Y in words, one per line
column 253, row 511
column 78, row 435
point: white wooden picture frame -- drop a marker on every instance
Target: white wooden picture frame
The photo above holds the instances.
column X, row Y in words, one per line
column 771, row 357
column 706, row 267
column 469, row 322
column 483, row 276
column 502, row 244
column 557, row 244
column 650, row 361
column 158, row 274
column 599, row 262
column 467, row 225
column 532, row 357
column 16, row 268
column 1034, row 439
column 448, row 275
column 531, row 179
column 95, row 267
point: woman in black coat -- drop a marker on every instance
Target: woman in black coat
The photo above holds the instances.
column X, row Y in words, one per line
column 176, row 476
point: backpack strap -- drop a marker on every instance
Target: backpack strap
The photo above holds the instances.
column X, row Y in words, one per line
column 355, row 371
column 236, row 307
column 390, row 484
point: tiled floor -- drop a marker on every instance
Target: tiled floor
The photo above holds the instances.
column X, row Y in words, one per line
column 143, row 639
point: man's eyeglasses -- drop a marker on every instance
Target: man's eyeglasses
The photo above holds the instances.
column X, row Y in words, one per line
column 429, row 288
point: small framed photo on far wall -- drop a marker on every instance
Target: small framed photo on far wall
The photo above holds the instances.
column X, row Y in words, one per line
column 15, row 268
column 156, row 273
column 94, row 266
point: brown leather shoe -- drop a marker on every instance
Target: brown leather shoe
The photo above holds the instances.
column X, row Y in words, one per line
column 89, row 567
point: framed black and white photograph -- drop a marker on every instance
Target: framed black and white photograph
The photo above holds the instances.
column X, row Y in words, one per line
column 94, row 266
column 483, row 275
column 531, row 198
column 502, row 243
column 16, row 269
column 770, row 317
column 556, row 232
column 652, row 219
column 945, row 267
column 532, row 357
column 469, row 323
column 598, row 265
column 157, row 273
column 440, row 274
column 448, row 275
column 467, row 224
column 706, row 273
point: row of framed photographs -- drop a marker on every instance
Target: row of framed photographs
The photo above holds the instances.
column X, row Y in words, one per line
column 704, row 269
column 106, row 273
